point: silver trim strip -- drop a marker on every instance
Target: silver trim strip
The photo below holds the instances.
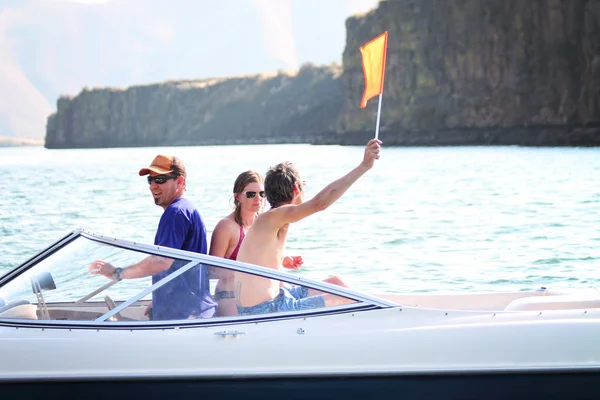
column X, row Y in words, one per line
column 182, row 323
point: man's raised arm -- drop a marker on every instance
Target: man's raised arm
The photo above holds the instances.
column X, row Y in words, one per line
column 332, row 192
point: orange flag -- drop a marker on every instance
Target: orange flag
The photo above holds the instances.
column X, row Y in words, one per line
column 373, row 57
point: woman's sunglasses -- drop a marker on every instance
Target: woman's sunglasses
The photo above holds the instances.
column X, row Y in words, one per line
column 160, row 179
column 250, row 194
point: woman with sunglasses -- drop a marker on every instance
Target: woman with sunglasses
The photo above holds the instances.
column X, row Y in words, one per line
column 248, row 200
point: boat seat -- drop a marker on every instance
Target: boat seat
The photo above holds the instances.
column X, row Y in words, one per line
column 20, row 309
column 560, row 302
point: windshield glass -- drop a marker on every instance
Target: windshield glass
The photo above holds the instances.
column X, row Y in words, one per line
column 68, row 268
column 75, row 284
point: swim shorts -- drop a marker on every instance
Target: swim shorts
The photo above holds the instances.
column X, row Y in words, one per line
column 290, row 298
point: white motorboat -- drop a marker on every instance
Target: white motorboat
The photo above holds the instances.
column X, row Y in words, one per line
column 63, row 330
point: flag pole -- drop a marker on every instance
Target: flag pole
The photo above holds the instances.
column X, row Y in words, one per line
column 378, row 115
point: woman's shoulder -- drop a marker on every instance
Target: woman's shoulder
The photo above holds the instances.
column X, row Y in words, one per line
column 228, row 223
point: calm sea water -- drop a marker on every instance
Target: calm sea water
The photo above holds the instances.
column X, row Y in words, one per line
column 424, row 219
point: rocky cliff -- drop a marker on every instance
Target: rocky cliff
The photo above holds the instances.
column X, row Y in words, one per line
column 277, row 108
column 458, row 72
column 480, row 72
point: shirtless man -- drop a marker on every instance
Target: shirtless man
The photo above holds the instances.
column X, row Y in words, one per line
column 265, row 242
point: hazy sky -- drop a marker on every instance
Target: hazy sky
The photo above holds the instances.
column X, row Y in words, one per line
column 53, row 47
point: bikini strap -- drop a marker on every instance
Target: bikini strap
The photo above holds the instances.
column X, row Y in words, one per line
column 234, row 253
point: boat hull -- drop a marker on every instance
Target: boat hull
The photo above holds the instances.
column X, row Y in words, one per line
column 526, row 385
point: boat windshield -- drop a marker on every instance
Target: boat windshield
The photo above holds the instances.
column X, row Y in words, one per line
column 65, row 286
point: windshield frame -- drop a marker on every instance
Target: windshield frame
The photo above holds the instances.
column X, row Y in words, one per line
column 363, row 301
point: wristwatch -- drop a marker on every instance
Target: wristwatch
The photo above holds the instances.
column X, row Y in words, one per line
column 117, row 273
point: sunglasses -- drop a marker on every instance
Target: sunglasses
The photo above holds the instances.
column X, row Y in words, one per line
column 160, row 179
column 250, row 194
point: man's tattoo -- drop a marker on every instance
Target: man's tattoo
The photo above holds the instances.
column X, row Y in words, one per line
column 158, row 259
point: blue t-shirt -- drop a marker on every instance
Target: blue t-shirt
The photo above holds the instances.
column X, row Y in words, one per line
column 181, row 227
